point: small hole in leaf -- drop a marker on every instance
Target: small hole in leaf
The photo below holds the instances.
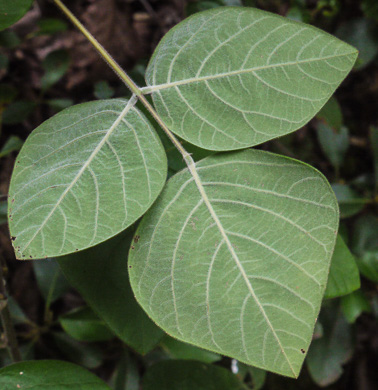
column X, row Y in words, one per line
column 302, row 350
column 13, row 238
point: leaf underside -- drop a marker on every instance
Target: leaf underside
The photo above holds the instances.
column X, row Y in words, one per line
column 82, row 177
column 244, row 277
column 230, row 78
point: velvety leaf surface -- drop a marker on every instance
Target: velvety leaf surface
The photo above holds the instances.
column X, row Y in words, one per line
column 100, row 275
column 82, row 177
column 241, row 268
column 12, row 10
column 47, row 375
column 344, row 276
column 189, row 375
column 230, row 78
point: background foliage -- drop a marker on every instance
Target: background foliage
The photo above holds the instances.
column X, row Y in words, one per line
column 46, row 66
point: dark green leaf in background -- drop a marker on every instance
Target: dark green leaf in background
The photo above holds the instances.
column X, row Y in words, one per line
column 343, row 274
column 333, row 143
column 12, row 144
column 353, row 305
column 328, row 353
column 84, row 325
column 88, row 355
column 18, row 111
column 3, row 211
column 59, row 104
column 370, row 9
column 331, row 114
column 350, row 202
column 50, row 279
column 12, row 10
column 126, row 375
column 9, row 38
column 257, row 376
column 100, row 275
column 178, row 350
column 361, row 33
column 102, row 90
column 189, row 375
column 51, row 26
column 55, row 65
column 374, row 147
column 27, row 351
column 365, row 246
column 49, row 375
column 18, row 315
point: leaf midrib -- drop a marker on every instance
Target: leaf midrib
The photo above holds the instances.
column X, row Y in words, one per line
column 201, row 189
column 124, row 112
column 153, row 88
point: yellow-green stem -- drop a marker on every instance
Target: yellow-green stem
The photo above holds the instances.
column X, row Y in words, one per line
column 126, row 79
column 105, row 55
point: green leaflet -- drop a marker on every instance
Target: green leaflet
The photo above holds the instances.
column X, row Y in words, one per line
column 176, row 349
column 229, row 78
column 344, row 276
column 82, row 177
column 84, row 325
column 190, row 375
column 333, row 349
column 12, row 10
column 100, row 275
column 245, row 276
column 49, row 374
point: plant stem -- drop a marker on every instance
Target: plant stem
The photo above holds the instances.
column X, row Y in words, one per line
column 10, row 334
column 126, row 79
column 105, row 55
